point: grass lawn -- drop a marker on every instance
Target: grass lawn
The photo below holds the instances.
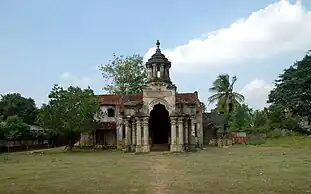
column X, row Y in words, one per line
column 291, row 141
column 214, row 170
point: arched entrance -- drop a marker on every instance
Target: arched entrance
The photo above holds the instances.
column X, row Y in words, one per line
column 159, row 127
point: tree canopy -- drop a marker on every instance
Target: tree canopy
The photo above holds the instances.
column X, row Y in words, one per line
column 292, row 90
column 241, row 118
column 224, row 97
column 70, row 112
column 15, row 104
column 14, row 128
column 124, row 75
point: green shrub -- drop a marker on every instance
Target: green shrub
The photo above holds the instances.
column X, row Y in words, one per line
column 256, row 142
column 121, row 145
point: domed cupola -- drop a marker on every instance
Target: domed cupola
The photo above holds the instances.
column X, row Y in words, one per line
column 158, row 67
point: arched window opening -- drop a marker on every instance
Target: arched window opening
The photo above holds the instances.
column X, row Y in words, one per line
column 123, row 131
column 158, row 72
column 110, row 112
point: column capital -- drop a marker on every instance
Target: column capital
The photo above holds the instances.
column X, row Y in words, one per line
column 126, row 121
column 145, row 120
column 180, row 119
column 173, row 120
column 138, row 120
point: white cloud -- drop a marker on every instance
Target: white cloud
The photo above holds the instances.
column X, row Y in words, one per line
column 278, row 28
column 256, row 93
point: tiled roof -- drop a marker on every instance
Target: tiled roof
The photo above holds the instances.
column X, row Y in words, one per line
column 118, row 99
column 186, row 98
column 110, row 99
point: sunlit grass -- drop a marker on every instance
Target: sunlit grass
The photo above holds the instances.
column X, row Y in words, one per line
column 214, row 170
column 290, row 142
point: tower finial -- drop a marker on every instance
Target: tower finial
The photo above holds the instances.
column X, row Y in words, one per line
column 158, row 44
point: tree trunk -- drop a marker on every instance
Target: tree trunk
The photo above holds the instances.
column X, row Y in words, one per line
column 69, row 146
column 71, row 138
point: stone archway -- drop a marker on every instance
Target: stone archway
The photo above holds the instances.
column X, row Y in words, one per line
column 159, row 127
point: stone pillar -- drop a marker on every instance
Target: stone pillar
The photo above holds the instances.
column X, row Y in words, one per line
column 133, row 147
column 200, row 143
column 119, row 131
column 192, row 139
column 173, row 135
column 164, row 74
column 154, row 70
column 138, row 135
column 149, row 73
column 146, row 147
column 167, row 72
column 162, row 71
column 201, row 133
column 186, row 133
column 180, row 135
column 127, row 136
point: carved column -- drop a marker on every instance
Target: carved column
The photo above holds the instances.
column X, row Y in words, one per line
column 192, row 138
column 133, row 135
column 119, row 131
column 149, row 73
column 186, row 132
column 199, row 134
column 127, row 135
column 138, row 135
column 162, row 71
column 167, row 72
column 173, row 135
column 180, row 135
column 154, row 70
column 146, row 147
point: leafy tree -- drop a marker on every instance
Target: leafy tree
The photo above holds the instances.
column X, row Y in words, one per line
column 14, row 128
column 69, row 112
column 16, row 104
column 2, row 127
column 241, row 118
column 225, row 98
column 280, row 117
column 259, row 118
column 125, row 75
column 292, row 90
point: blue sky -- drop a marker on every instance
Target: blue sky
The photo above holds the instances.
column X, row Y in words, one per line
column 54, row 41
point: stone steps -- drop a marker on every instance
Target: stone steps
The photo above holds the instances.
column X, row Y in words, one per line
column 159, row 147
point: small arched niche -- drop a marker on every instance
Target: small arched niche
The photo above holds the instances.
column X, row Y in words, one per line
column 111, row 112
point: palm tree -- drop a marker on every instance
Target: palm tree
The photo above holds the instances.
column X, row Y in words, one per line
column 224, row 97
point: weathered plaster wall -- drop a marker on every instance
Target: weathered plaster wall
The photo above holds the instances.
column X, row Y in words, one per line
column 105, row 117
column 106, row 137
column 158, row 93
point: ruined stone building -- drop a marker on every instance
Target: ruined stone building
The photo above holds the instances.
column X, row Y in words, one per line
column 159, row 117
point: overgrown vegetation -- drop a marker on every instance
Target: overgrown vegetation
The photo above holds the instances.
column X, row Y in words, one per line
column 289, row 110
column 225, row 97
column 124, row 75
column 70, row 112
column 16, row 114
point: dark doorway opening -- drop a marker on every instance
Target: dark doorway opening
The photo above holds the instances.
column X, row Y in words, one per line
column 159, row 126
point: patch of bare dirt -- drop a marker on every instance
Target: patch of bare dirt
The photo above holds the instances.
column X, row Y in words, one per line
column 162, row 176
